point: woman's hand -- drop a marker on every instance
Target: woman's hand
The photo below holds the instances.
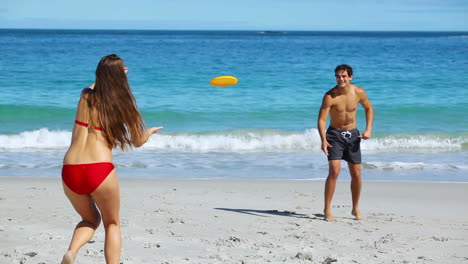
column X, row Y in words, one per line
column 146, row 135
column 150, row 131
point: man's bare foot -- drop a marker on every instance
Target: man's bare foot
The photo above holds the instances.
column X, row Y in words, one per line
column 68, row 258
column 328, row 216
column 357, row 214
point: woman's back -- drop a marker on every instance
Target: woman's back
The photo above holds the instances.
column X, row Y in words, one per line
column 88, row 144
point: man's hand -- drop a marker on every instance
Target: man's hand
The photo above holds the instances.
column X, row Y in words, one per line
column 366, row 134
column 325, row 144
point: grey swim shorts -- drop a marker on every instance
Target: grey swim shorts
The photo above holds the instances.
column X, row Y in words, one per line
column 346, row 145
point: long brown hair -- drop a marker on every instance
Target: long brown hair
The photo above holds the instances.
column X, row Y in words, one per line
column 113, row 106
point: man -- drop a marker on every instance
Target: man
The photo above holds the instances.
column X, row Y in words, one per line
column 342, row 139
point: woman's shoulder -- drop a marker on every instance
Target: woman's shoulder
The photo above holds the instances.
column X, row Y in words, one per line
column 86, row 92
column 85, row 96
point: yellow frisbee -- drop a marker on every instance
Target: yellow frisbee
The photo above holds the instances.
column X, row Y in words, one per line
column 223, row 81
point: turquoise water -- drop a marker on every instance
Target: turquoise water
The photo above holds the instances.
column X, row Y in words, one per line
column 262, row 127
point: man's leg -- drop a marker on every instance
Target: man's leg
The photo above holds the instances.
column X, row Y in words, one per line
column 334, row 167
column 356, row 186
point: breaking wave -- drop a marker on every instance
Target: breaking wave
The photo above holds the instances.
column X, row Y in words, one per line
column 247, row 141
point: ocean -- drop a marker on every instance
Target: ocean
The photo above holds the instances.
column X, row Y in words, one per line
column 264, row 127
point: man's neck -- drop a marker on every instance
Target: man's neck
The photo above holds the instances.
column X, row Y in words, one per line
column 344, row 89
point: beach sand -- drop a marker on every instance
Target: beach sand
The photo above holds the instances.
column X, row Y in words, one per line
column 244, row 221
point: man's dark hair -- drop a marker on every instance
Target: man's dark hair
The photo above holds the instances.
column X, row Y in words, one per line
column 344, row 67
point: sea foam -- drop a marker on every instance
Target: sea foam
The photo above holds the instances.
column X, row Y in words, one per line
column 244, row 141
column 42, row 139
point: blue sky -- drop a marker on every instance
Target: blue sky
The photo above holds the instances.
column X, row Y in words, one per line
column 425, row 15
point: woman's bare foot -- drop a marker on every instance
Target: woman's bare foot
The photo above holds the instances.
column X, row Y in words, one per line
column 357, row 214
column 68, row 258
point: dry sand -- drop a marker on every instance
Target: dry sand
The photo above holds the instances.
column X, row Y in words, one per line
column 244, row 221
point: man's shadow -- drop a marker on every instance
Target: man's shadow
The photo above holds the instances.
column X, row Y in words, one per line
column 266, row 213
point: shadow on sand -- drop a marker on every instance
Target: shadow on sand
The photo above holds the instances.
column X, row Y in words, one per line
column 266, row 213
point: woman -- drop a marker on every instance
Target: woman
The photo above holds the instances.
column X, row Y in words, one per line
column 107, row 117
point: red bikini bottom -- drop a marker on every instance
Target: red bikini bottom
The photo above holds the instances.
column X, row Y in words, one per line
column 85, row 178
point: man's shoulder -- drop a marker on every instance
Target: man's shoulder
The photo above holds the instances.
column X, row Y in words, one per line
column 360, row 93
column 358, row 89
column 333, row 92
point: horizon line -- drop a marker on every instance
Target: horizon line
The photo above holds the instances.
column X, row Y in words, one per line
column 251, row 30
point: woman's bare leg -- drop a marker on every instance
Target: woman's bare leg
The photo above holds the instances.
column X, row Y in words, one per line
column 85, row 229
column 107, row 198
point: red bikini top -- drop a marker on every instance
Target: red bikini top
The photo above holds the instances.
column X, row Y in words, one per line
column 86, row 125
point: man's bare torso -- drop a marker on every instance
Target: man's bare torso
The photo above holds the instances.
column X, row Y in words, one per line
column 344, row 103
